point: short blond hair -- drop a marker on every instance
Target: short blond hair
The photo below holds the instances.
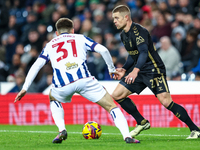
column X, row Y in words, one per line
column 122, row 9
column 64, row 25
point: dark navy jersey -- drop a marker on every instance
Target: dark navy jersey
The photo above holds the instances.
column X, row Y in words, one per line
column 136, row 36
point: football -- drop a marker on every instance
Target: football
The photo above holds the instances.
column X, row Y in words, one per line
column 91, row 130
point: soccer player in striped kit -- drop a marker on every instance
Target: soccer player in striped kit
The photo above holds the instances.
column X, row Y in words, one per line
column 67, row 53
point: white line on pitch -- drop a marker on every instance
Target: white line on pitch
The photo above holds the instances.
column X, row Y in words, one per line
column 81, row 133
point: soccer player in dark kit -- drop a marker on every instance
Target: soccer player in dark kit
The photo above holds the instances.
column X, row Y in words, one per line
column 143, row 68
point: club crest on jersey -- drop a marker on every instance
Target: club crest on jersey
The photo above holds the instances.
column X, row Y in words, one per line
column 139, row 40
column 71, row 65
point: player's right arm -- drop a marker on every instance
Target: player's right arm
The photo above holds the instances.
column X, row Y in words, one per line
column 35, row 68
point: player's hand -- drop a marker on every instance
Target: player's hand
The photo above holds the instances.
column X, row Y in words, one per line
column 130, row 78
column 121, row 73
column 113, row 75
column 20, row 95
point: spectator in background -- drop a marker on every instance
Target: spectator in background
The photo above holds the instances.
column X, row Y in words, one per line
column 179, row 17
column 187, row 47
column 162, row 5
column 137, row 12
column 86, row 28
column 32, row 23
column 62, row 9
column 87, row 14
column 178, row 35
column 100, row 21
column 47, row 13
column 4, row 42
column 96, row 60
column 79, row 7
column 186, row 6
column 147, row 14
column 10, row 47
column 4, row 18
column 195, row 62
column 16, row 63
column 123, row 52
column 71, row 7
column 18, row 11
column 42, row 30
column 19, row 79
column 188, row 22
column 34, row 40
column 173, row 6
column 38, row 7
column 170, row 57
column 111, row 26
column 196, row 24
column 112, row 46
column 3, row 66
column 19, row 49
column 54, row 17
column 77, row 24
column 169, row 16
column 28, row 58
column 12, row 25
column 46, row 78
column 93, row 5
column 163, row 28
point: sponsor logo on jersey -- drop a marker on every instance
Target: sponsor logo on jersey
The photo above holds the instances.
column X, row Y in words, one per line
column 71, row 65
column 135, row 52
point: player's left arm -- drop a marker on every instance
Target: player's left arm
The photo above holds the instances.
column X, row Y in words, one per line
column 96, row 47
column 107, row 58
column 142, row 58
column 142, row 45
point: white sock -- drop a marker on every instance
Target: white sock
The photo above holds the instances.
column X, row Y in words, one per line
column 58, row 114
column 120, row 122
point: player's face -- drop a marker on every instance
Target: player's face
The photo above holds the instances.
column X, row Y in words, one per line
column 119, row 20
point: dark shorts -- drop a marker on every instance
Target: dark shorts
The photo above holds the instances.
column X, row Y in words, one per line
column 157, row 83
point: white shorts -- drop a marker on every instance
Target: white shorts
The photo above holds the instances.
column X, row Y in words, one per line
column 89, row 88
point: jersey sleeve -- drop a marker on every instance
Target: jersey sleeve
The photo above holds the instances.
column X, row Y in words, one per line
column 106, row 56
column 44, row 54
column 90, row 44
column 141, row 36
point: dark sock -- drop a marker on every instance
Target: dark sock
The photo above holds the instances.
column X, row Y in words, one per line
column 182, row 114
column 128, row 105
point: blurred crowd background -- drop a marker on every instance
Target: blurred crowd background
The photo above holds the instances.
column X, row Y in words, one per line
column 27, row 25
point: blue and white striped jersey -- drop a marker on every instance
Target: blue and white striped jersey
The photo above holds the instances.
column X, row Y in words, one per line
column 68, row 53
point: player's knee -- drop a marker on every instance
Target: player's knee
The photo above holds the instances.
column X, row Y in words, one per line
column 107, row 102
column 116, row 96
column 165, row 99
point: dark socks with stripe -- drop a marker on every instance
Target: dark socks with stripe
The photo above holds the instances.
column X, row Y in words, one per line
column 128, row 105
column 182, row 114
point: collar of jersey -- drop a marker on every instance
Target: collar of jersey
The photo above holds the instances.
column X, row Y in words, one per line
column 64, row 33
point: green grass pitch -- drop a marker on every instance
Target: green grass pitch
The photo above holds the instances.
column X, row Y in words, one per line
column 40, row 138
